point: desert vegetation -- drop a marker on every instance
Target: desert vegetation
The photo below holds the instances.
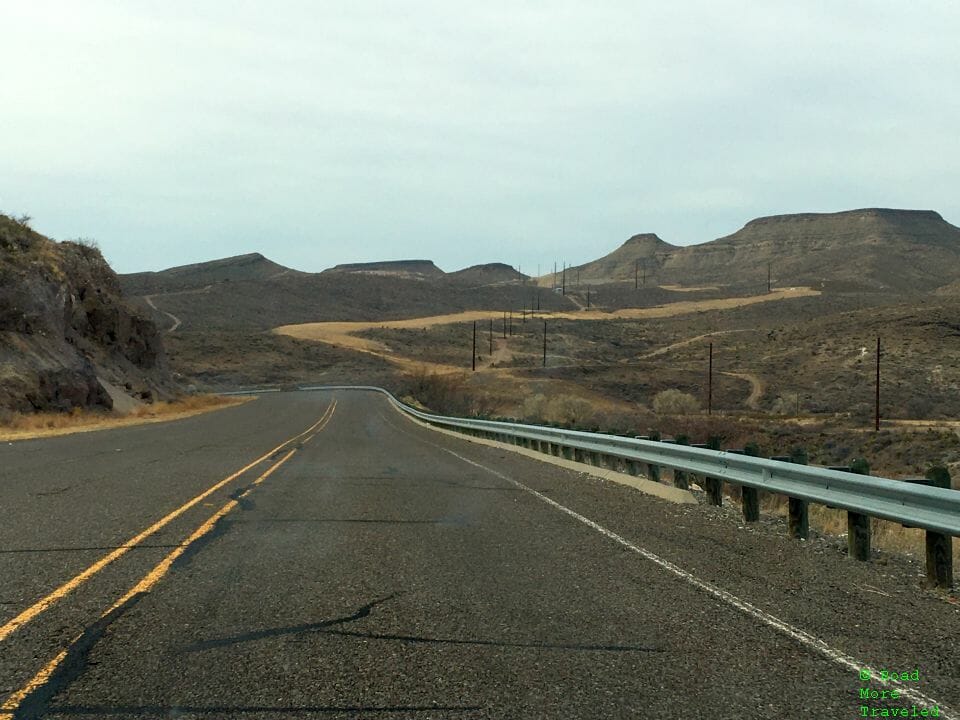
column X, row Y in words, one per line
column 19, row 426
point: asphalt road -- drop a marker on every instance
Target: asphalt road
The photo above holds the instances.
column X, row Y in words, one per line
column 373, row 568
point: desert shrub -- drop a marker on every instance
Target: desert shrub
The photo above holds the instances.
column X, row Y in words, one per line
column 785, row 404
column 563, row 410
column 89, row 248
column 534, row 408
column 442, row 393
column 674, row 402
column 569, row 409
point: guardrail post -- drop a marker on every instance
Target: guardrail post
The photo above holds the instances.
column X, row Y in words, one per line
column 567, row 452
column 578, row 455
column 714, row 486
column 858, row 524
column 749, row 496
column 799, row 509
column 653, row 471
column 798, row 512
column 939, row 545
column 680, row 477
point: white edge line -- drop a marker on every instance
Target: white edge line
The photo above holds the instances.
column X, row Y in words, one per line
column 804, row 638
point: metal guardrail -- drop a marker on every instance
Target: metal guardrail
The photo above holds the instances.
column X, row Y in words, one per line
column 934, row 509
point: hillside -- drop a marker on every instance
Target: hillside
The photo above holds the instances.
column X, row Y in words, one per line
column 253, row 266
column 905, row 250
column 645, row 252
column 290, row 299
column 414, row 269
column 67, row 339
column 488, row 274
column 856, row 250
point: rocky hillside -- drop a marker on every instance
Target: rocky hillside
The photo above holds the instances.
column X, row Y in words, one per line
column 873, row 249
column 67, row 339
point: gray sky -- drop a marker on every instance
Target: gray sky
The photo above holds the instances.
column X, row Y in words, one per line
column 524, row 132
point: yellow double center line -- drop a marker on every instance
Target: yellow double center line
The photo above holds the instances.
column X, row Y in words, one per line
column 13, row 702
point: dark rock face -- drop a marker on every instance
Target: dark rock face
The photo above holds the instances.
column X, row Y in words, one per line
column 63, row 325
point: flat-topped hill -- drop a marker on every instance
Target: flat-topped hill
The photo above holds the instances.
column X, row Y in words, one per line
column 873, row 248
column 417, row 269
column 869, row 249
column 487, row 274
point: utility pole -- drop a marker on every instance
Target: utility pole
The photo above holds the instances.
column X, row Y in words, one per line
column 588, row 297
column 554, row 274
column 876, row 423
column 524, row 312
column 473, row 362
column 511, row 323
column 491, row 339
column 710, row 383
column 544, row 343
column 563, row 290
column 644, row 273
column 768, row 277
column 538, row 300
column 504, row 324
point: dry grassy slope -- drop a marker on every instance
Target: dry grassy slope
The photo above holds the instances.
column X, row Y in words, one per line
column 871, row 249
column 66, row 335
column 199, row 275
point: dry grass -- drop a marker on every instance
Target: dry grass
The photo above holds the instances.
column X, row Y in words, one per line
column 19, row 426
column 884, row 535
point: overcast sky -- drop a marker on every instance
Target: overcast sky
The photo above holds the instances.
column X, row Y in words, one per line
column 323, row 132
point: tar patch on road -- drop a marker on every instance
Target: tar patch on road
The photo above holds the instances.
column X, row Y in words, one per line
column 37, row 703
column 361, row 613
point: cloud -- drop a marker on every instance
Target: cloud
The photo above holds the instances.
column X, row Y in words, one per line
column 321, row 133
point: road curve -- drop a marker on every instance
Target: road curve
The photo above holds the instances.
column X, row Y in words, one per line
column 368, row 567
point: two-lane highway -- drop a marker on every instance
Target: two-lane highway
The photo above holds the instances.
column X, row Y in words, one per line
column 371, row 567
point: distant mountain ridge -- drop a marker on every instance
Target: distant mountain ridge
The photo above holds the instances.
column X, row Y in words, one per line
column 866, row 249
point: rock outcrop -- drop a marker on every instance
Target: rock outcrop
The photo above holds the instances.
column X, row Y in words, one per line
column 66, row 335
